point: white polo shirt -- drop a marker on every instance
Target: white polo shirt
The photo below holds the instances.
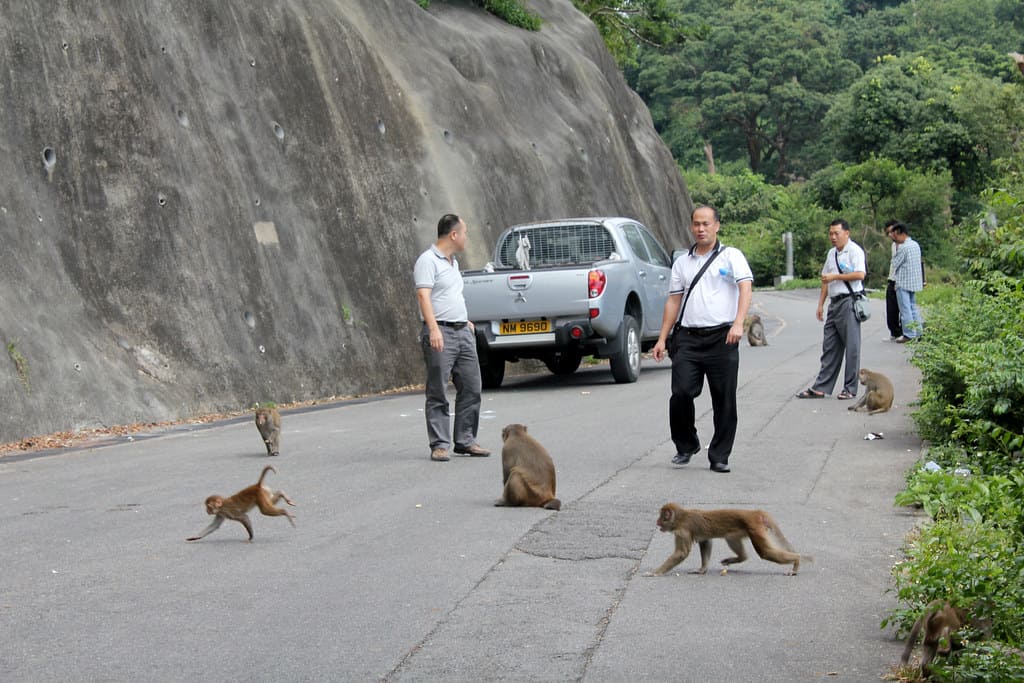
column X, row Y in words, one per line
column 851, row 259
column 433, row 271
column 716, row 297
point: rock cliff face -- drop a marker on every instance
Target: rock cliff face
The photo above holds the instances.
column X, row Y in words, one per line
column 207, row 204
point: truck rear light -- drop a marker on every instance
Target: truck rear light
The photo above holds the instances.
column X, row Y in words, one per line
column 594, row 312
column 596, row 281
column 576, row 332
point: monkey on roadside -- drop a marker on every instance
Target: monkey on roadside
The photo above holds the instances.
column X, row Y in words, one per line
column 235, row 507
column 268, row 421
column 939, row 622
column 879, row 394
column 528, row 473
column 754, row 328
column 732, row 525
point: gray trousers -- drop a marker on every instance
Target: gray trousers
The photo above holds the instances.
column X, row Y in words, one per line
column 841, row 339
column 457, row 360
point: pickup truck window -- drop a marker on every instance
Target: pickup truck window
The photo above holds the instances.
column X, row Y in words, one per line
column 559, row 245
column 655, row 250
column 636, row 242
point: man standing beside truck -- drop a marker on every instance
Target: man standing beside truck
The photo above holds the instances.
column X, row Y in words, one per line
column 705, row 327
column 449, row 344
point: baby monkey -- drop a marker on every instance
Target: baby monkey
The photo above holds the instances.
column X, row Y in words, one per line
column 235, row 507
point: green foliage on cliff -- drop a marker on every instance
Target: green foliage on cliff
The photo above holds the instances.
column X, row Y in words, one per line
column 511, row 11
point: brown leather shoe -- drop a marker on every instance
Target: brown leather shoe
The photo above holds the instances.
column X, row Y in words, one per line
column 439, row 455
column 475, row 450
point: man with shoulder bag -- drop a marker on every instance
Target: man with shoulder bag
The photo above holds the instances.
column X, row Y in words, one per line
column 842, row 284
column 706, row 327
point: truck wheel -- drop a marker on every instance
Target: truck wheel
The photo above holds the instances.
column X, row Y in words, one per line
column 492, row 371
column 626, row 363
column 563, row 362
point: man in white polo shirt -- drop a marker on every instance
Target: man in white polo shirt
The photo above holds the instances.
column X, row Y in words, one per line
column 842, row 278
column 706, row 327
column 449, row 344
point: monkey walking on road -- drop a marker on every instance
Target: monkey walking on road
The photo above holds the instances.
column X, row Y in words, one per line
column 268, row 422
column 732, row 525
column 235, row 507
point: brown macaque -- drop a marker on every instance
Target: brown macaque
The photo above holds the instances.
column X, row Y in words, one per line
column 527, row 471
column 235, row 507
column 939, row 622
column 732, row 525
column 754, row 328
column 268, row 421
column 879, row 394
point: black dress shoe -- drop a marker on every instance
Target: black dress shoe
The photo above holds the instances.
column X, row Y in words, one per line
column 720, row 467
column 683, row 458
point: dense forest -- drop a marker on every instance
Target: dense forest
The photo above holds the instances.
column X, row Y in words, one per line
column 785, row 113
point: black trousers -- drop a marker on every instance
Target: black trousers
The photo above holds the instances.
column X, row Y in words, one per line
column 892, row 310
column 695, row 357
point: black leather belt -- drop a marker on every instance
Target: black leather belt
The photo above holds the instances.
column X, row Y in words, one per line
column 448, row 323
column 705, row 331
column 838, row 297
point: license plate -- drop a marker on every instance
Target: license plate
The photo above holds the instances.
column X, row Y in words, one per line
column 525, row 327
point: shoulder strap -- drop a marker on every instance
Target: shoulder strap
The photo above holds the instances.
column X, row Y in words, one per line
column 840, row 269
column 693, row 283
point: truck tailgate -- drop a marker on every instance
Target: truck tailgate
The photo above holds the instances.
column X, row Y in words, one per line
column 524, row 294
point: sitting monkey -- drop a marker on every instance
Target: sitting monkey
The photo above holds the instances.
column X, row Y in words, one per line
column 878, row 398
column 754, row 328
column 528, row 473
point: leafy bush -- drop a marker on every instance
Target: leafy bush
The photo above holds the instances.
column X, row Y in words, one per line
column 972, row 365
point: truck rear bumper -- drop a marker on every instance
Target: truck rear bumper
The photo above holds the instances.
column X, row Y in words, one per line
column 561, row 337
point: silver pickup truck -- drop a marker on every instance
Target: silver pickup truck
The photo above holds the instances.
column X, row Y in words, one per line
column 562, row 290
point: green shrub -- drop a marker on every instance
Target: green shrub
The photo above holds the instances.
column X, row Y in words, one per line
column 972, row 367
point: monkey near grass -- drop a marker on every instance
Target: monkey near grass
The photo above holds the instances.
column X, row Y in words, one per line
column 732, row 525
column 235, row 507
column 268, row 421
column 527, row 471
column 879, row 395
column 940, row 622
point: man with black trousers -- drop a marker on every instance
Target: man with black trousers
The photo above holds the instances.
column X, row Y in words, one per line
column 892, row 306
column 706, row 327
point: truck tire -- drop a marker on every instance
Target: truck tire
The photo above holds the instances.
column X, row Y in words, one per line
column 492, row 370
column 564, row 362
column 626, row 363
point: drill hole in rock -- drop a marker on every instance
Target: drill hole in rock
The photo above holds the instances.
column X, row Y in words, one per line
column 278, row 131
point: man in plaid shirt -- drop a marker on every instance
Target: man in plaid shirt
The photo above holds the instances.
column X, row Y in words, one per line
column 907, row 271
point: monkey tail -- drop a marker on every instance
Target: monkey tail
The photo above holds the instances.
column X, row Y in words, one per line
column 268, row 468
column 911, row 640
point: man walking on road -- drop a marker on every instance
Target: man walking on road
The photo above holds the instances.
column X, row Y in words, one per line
column 449, row 344
column 706, row 327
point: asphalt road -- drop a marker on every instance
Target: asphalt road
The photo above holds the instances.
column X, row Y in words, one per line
column 401, row 569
